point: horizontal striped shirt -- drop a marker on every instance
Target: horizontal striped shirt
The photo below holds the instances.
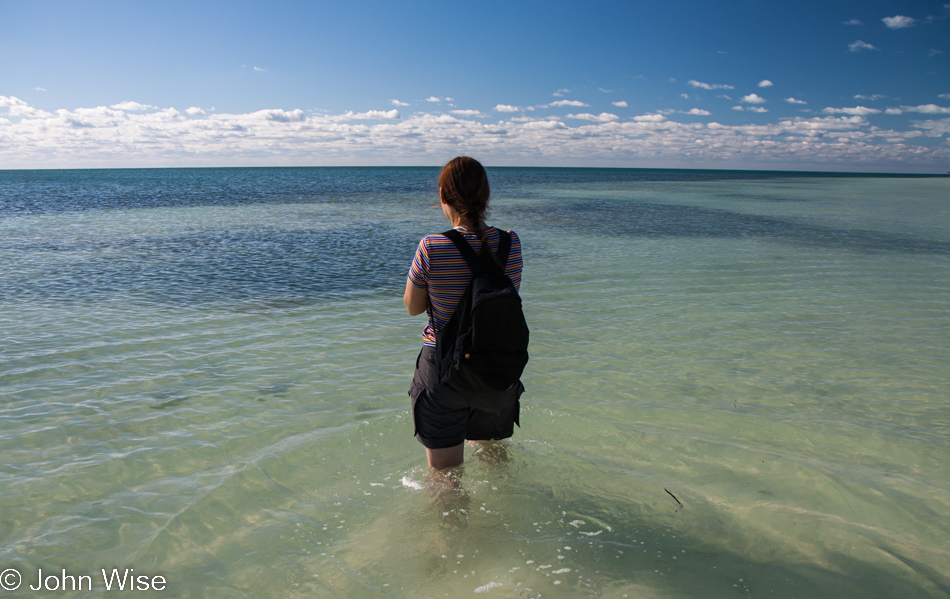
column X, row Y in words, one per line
column 439, row 268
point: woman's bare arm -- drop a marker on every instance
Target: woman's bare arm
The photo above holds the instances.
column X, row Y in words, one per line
column 415, row 298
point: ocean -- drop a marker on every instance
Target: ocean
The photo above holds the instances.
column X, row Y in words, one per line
column 739, row 386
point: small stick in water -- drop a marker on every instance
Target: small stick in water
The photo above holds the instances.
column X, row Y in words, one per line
column 674, row 497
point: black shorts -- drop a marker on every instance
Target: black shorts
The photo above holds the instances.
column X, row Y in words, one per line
column 444, row 417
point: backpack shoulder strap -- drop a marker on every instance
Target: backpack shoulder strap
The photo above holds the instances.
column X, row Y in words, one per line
column 501, row 257
column 464, row 248
column 504, row 248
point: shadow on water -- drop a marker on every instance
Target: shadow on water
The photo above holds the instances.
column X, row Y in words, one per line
column 347, row 515
column 343, row 512
column 654, row 220
column 551, row 522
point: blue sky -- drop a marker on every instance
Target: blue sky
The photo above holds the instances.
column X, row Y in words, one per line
column 849, row 85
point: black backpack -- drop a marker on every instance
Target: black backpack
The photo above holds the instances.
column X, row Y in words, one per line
column 484, row 346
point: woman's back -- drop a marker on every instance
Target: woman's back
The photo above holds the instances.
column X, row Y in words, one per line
column 439, row 267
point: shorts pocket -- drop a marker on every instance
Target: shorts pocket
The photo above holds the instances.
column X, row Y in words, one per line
column 415, row 390
column 517, row 417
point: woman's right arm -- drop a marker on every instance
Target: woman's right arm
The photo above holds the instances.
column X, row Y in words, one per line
column 415, row 298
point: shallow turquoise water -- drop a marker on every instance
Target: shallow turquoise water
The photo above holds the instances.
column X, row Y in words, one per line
column 204, row 373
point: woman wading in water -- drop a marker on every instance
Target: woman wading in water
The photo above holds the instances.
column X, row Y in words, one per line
column 444, row 417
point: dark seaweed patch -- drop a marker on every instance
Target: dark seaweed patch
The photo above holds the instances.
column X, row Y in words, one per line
column 257, row 267
column 630, row 218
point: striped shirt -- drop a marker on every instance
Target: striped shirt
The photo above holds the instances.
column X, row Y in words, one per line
column 439, row 268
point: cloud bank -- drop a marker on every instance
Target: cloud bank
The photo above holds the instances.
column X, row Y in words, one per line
column 841, row 138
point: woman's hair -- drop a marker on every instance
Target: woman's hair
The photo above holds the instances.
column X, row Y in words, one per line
column 464, row 185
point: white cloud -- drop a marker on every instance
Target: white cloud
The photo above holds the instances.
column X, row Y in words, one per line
column 194, row 111
column 702, row 85
column 107, row 137
column 853, row 22
column 433, row 99
column 944, row 96
column 260, row 69
column 927, row 109
column 11, row 101
column 699, row 112
column 398, row 103
column 620, row 104
column 934, row 52
column 872, row 97
column 448, row 99
column 752, row 99
column 28, row 112
column 899, row 22
column 39, row 89
column 937, row 128
column 560, row 93
column 533, row 125
column 603, row 117
column 506, row 108
column 738, row 108
column 858, row 45
column 893, row 111
column 369, row 114
column 279, row 115
column 466, row 112
column 650, row 118
column 765, row 83
column 756, row 109
column 576, row 103
column 795, row 101
column 855, row 111
column 132, row 106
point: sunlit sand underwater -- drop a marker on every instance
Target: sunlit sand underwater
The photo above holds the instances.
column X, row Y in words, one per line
column 738, row 386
